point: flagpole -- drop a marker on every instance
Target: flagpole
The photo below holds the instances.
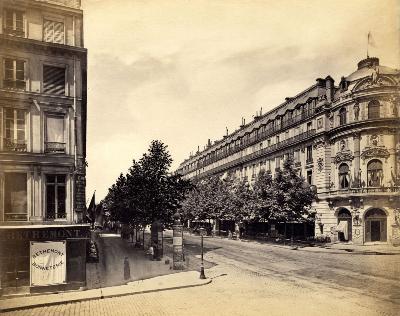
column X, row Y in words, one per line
column 368, row 43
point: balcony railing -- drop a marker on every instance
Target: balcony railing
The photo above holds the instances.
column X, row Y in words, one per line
column 15, row 217
column 55, row 147
column 392, row 189
column 12, row 145
column 52, row 215
column 14, row 84
column 259, row 153
column 17, row 32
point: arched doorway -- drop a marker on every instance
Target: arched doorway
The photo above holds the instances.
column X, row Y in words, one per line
column 375, row 225
column 344, row 228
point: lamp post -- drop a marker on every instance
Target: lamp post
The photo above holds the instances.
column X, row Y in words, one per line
column 202, row 275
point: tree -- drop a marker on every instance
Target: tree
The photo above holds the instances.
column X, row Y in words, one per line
column 264, row 205
column 148, row 192
column 292, row 195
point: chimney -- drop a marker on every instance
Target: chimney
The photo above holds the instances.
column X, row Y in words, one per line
column 330, row 88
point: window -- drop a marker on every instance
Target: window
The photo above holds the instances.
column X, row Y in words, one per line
column 55, row 134
column 342, row 116
column 14, row 23
column 15, row 197
column 344, row 177
column 373, row 109
column 309, row 177
column 297, row 156
column 309, row 154
column 14, row 74
column 54, row 80
column 55, row 196
column 14, row 130
column 53, row 32
column 375, row 173
column 269, row 142
column 309, row 126
column 277, row 162
column 277, row 139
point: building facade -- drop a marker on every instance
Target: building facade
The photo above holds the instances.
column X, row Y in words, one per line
column 344, row 140
column 42, row 144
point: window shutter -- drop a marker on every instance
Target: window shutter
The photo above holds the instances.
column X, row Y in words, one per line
column 48, row 31
column 19, row 21
column 9, row 20
column 58, row 33
column 8, row 69
column 54, row 80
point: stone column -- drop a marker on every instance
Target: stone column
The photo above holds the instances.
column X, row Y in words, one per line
column 356, row 139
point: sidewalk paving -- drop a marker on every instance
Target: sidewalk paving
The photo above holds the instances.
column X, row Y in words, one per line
column 161, row 283
column 334, row 248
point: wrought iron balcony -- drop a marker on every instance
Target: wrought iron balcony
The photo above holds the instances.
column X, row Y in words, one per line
column 53, row 215
column 15, row 217
column 55, row 147
column 363, row 190
column 14, row 84
column 12, row 145
column 17, row 32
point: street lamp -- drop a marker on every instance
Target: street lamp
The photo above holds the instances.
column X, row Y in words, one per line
column 202, row 275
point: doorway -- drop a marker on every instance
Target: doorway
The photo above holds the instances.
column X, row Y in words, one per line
column 375, row 226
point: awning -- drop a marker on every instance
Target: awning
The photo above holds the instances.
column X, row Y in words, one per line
column 343, row 228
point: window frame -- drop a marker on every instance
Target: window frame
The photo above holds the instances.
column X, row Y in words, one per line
column 342, row 116
column 55, row 65
column 13, row 31
column 376, row 107
column 15, row 143
column 56, row 185
column 14, row 79
column 346, row 176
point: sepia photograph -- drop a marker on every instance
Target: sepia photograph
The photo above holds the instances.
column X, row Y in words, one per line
column 200, row 157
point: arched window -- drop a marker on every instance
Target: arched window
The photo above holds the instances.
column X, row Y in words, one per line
column 373, row 109
column 342, row 116
column 375, row 173
column 344, row 176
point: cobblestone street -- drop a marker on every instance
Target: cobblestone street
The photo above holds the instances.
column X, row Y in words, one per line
column 254, row 279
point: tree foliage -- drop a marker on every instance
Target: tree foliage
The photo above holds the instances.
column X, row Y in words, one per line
column 285, row 197
column 148, row 192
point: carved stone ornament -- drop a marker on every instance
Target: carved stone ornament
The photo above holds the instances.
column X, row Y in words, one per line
column 375, row 152
column 318, row 143
column 344, row 156
column 320, row 163
column 375, row 80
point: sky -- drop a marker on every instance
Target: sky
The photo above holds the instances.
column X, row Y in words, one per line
column 184, row 71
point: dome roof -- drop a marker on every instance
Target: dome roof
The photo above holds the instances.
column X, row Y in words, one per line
column 368, row 66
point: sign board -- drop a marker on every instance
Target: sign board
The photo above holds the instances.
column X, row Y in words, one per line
column 48, row 262
column 53, row 233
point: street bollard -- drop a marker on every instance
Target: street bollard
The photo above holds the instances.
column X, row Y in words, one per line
column 127, row 269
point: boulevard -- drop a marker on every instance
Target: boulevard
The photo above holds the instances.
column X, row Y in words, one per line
column 251, row 278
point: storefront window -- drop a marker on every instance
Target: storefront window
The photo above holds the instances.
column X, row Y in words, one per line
column 15, row 197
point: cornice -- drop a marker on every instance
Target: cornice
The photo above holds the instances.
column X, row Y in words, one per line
column 45, row 48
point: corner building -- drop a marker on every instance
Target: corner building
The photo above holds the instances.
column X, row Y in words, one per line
column 42, row 145
column 344, row 139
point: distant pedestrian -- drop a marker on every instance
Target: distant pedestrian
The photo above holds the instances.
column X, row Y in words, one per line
column 127, row 269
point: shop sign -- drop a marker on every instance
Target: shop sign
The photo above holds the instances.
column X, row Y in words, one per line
column 48, row 263
column 45, row 233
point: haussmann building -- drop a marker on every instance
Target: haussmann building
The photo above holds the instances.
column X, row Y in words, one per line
column 344, row 139
column 42, row 146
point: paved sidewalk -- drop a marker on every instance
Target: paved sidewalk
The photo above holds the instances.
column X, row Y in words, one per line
column 161, row 283
column 335, row 248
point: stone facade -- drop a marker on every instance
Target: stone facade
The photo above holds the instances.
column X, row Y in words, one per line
column 344, row 139
column 43, row 125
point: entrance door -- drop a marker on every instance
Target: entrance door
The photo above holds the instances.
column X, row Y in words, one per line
column 375, row 230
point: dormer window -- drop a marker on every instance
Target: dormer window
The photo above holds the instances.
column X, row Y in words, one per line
column 14, row 23
column 343, row 84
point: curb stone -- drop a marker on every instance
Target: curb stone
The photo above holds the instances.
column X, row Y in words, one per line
column 98, row 296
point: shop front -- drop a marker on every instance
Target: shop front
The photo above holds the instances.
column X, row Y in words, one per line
column 42, row 258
